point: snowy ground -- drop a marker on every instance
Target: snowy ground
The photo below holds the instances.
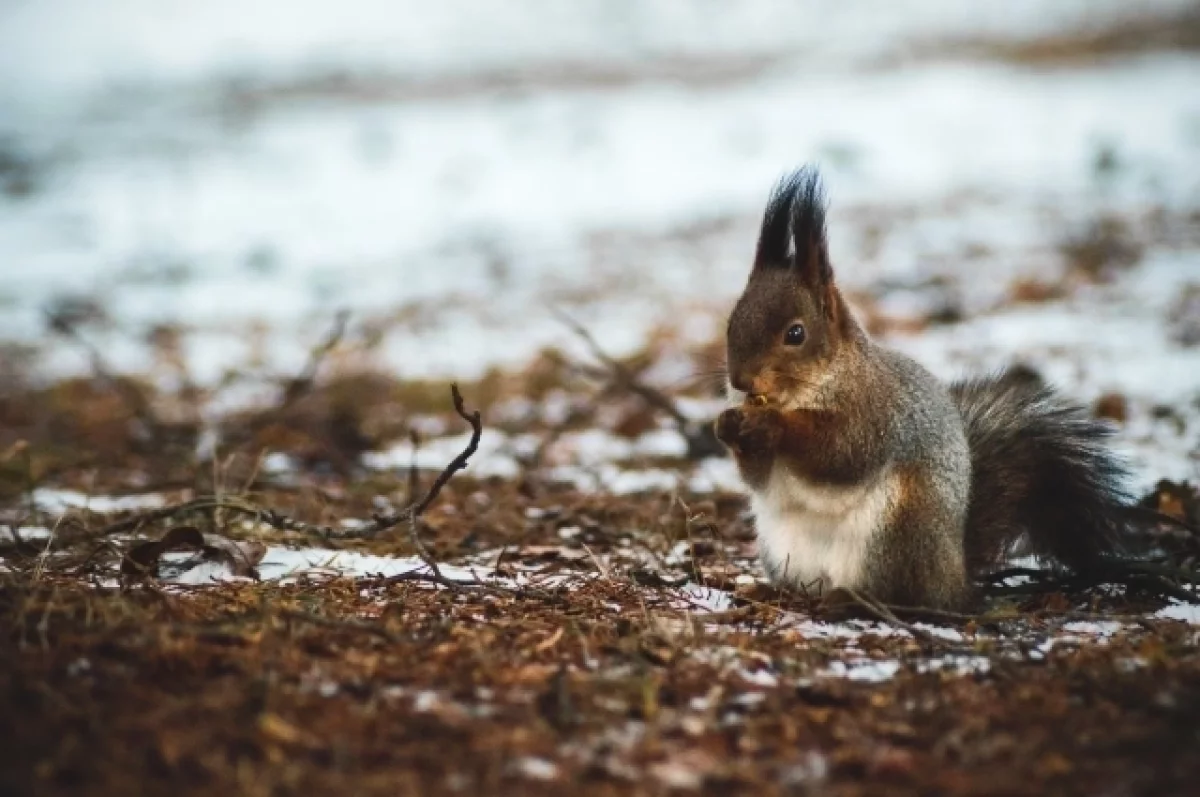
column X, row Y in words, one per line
column 197, row 166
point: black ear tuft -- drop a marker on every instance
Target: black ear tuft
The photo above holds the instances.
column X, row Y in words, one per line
column 775, row 237
column 793, row 227
column 808, row 225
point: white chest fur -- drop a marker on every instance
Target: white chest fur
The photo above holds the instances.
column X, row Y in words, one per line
column 817, row 536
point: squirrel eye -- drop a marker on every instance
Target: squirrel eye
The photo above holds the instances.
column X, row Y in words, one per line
column 794, row 336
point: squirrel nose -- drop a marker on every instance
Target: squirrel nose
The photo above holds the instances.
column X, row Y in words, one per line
column 740, row 382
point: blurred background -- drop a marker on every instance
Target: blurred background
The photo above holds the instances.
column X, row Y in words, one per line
column 193, row 190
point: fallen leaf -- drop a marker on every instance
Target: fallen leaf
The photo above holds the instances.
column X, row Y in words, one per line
column 275, row 728
column 242, row 557
column 549, row 643
column 142, row 559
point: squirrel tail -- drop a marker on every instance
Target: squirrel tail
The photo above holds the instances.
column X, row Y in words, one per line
column 1043, row 481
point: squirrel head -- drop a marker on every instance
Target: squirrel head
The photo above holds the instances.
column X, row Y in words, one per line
column 791, row 321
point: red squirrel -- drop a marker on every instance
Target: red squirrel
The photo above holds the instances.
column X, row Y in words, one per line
column 867, row 473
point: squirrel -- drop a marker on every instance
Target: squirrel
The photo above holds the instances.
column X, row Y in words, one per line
column 867, row 473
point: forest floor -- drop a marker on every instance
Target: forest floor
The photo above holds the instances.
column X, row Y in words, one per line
column 579, row 609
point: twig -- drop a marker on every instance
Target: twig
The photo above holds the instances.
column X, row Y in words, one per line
column 378, row 523
column 437, row 579
column 628, row 380
column 134, row 398
column 282, row 522
column 459, row 462
column 414, row 474
column 303, row 383
column 883, row 613
column 701, row 441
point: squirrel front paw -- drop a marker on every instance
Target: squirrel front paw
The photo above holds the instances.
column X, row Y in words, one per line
column 753, row 431
column 728, row 424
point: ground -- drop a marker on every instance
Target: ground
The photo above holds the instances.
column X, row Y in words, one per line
column 248, row 261
column 615, row 638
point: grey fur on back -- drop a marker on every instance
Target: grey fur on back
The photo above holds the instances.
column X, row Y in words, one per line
column 932, row 432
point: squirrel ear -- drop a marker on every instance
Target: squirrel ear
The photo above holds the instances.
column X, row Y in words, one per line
column 775, row 238
column 808, row 227
column 793, row 228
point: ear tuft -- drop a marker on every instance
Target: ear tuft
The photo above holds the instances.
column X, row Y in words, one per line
column 793, row 227
column 775, row 237
column 808, row 226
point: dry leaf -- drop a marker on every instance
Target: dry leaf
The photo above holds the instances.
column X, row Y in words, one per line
column 241, row 557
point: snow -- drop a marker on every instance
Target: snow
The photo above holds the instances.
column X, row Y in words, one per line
column 480, row 208
column 662, row 443
column 58, row 501
column 591, row 460
column 960, row 665
column 706, row 599
column 866, row 671
column 281, row 563
column 147, row 42
column 483, row 207
column 715, row 474
column 877, row 671
column 1103, row 628
column 426, row 701
column 761, row 678
column 34, row 533
column 1187, row 612
column 594, row 456
column 536, row 768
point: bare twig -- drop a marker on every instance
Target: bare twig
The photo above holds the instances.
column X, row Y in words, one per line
column 142, row 412
column 459, row 462
column 701, row 441
column 303, row 382
column 414, row 474
column 412, row 513
column 379, row 523
column 282, row 522
column 624, row 377
column 883, row 613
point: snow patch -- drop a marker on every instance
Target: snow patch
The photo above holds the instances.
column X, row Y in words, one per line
column 1187, row 612
column 59, row 501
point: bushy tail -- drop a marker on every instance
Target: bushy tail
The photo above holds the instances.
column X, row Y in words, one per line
column 1043, row 479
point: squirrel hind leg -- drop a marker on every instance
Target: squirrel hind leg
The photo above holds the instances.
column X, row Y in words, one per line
column 918, row 560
